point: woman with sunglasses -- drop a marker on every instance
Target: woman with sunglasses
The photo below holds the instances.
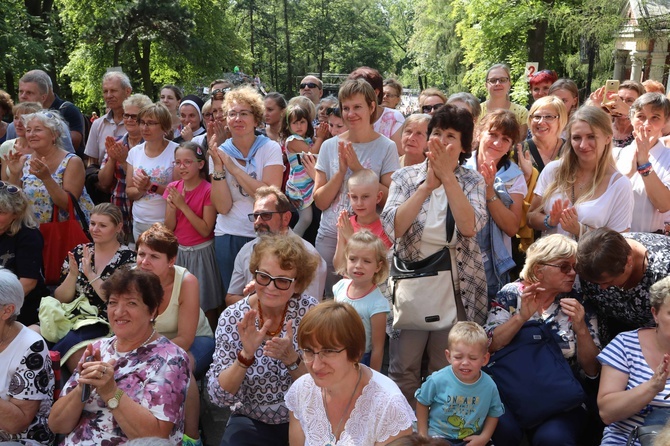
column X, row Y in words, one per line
column 342, row 401
column 498, row 84
column 430, row 100
column 546, row 292
column 150, row 168
column 256, row 359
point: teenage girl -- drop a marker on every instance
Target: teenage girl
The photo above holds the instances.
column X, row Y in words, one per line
column 296, row 133
column 190, row 214
column 366, row 267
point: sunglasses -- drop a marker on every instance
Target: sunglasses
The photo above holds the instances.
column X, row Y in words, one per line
column 310, row 85
column 430, row 108
column 132, row 117
column 333, row 110
column 265, row 216
column 565, row 268
column 281, row 283
column 222, row 91
column 10, row 188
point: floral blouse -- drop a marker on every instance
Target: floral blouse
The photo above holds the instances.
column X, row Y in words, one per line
column 156, row 376
column 124, row 258
column 40, row 198
column 507, row 303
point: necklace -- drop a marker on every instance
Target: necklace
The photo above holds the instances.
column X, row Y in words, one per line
column 332, row 439
column 153, row 332
column 261, row 322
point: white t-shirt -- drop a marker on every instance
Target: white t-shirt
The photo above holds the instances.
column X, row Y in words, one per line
column 380, row 156
column 646, row 218
column 236, row 221
column 151, row 207
column 389, row 122
column 613, row 209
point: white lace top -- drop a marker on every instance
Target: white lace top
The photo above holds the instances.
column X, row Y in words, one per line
column 379, row 413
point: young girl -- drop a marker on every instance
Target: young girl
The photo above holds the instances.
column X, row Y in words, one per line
column 335, row 123
column 191, row 215
column 297, row 132
column 366, row 267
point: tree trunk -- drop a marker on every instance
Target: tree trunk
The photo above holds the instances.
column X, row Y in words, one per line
column 251, row 40
column 536, row 36
column 143, row 60
column 289, row 63
column 9, row 82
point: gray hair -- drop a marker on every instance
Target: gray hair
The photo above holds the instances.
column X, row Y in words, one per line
column 415, row 118
column 50, row 119
column 659, row 292
column 469, row 99
column 40, row 78
column 19, row 205
column 122, row 78
column 657, row 101
column 11, row 291
column 137, row 100
column 547, row 249
column 150, row 441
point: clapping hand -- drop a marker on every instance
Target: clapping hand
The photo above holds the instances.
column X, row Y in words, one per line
column 176, row 199
column 344, row 228
column 529, row 301
column 250, row 337
column 39, row 168
column 281, row 348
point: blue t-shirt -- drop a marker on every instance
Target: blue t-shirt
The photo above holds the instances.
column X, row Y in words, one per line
column 367, row 306
column 457, row 409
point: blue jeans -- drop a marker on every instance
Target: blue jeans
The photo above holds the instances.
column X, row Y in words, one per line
column 560, row 430
column 226, row 248
column 245, row 431
column 202, row 350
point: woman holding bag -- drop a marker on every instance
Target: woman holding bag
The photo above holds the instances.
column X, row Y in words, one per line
column 415, row 218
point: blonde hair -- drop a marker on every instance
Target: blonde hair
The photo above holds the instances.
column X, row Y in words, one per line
column 547, row 249
column 363, row 177
column 567, row 171
column 469, row 333
column 367, row 240
column 659, row 293
column 554, row 103
column 428, row 92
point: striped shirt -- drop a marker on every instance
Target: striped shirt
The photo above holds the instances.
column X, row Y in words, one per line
column 625, row 355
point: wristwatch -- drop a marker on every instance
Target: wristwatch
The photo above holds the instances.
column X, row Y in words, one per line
column 154, row 188
column 293, row 367
column 113, row 402
column 218, row 176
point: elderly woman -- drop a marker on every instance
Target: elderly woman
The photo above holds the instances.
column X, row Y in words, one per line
column 21, row 246
column 467, row 101
column 137, row 379
column 256, row 358
column 84, row 271
column 325, row 104
column 112, row 174
column 498, row 84
column 634, row 383
column 616, row 272
column 546, row 293
column 20, row 143
column 149, row 168
column 26, row 379
column 238, row 167
column 340, row 400
column 505, row 190
column 583, row 190
column 414, row 139
column 430, row 100
column 392, row 94
column 50, row 174
column 414, row 218
column 647, row 163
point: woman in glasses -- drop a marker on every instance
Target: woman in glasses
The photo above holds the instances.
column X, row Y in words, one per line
column 583, row 190
column 430, row 100
column 392, row 94
column 150, row 168
column 546, row 120
column 112, row 174
column 498, row 84
column 546, row 292
column 179, row 317
column 342, row 401
column 239, row 166
column 256, row 359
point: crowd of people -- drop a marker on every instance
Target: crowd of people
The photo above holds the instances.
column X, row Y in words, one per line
column 253, row 243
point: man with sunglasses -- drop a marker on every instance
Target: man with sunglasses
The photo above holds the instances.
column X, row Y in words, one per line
column 312, row 88
column 272, row 214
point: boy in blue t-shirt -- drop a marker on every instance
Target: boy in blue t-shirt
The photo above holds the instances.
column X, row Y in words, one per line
column 459, row 402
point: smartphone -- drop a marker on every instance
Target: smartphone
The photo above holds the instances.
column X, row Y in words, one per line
column 611, row 88
column 86, row 391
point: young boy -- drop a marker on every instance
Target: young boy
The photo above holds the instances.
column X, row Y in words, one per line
column 364, row 196
column 459, row 402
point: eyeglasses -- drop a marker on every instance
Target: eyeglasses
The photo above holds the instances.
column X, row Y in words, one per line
column 244, row 114
column 10, row 188
column 547, row 118
column 309, row 356
column 309, row 85
column 430, row 108
column 391, row 95
column 130, row 116
column 149, row 123
column 333, row 111
column 222, row 91
column 566, row 268
column 497, row 80
column 265, row 216
column 208, row 116
column 185, row 163
column 281, row 283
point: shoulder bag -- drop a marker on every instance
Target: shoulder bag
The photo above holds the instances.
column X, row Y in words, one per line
column 425, row 293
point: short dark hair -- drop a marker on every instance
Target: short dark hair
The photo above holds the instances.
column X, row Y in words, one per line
column 450, row 116
column 144, row 283
column 601, row 251
column 159, row 238
column 283, row 203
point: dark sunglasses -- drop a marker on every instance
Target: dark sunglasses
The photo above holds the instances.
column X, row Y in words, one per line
column 333, row 111
column 10, row 188
column 309, row 84
column 265, row 216
column 565, row 268
column 430, row 108
column 130, row 116
column 220, row 91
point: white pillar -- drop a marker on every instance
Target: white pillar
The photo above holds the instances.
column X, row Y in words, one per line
column 620, row 59
column 658, row 59
column 637, row 63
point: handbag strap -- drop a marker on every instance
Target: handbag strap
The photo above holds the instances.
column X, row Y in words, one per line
column 536, row 154
column 73, row 206
column 451, row 225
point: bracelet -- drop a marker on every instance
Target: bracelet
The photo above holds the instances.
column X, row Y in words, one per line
column 492, row 199
column 244, row 362
column 547, row 224
column 645, row 172
column 218, row 176
column 94, row 279
column 643, row 167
